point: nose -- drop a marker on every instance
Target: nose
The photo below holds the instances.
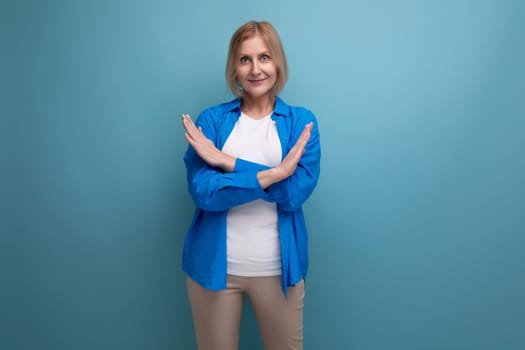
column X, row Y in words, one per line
column 256, row 69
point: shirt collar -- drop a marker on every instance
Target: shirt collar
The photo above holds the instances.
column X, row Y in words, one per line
column 281, row 107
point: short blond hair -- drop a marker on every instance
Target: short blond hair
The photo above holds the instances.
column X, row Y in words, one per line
column 271, row 39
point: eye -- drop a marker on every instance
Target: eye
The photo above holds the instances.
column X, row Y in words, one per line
column 244, row 59
column 265, row 58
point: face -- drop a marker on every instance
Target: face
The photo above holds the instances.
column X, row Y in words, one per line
column 256, row 71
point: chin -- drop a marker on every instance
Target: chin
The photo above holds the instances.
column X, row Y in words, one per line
column 256, row 93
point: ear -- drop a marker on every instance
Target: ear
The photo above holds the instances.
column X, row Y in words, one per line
column 239, row 86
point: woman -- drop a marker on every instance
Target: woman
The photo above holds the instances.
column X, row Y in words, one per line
column 251, row 163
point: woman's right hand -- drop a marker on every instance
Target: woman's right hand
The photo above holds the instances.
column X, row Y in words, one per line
column 204, row 147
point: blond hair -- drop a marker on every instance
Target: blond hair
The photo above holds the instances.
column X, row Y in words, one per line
column 271, row 39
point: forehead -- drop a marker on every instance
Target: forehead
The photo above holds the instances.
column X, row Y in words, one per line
column 253, row 45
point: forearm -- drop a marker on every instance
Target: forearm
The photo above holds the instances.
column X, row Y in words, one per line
column 268, row 177
column 224, row 161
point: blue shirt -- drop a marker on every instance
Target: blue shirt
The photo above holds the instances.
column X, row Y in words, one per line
column 214, row 191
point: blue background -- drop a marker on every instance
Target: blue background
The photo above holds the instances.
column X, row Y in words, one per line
column 417, row 227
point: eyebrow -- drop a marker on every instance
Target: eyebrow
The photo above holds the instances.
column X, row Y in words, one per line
column 259, row 54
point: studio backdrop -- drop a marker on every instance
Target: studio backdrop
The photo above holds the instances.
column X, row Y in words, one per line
column 416, row 228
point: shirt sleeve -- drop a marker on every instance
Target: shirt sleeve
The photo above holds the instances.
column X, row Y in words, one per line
column 213, row 189
column 292, row 192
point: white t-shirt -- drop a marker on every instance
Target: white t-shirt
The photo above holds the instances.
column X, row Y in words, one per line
column 252, row 234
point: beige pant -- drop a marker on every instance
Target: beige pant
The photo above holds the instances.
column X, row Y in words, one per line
column 217, row 314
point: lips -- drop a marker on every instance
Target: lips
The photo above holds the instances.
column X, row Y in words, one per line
column 256, row 81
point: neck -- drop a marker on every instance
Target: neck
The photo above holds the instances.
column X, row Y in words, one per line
column 257, row 107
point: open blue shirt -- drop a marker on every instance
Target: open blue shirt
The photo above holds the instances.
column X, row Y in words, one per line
column 215, row 191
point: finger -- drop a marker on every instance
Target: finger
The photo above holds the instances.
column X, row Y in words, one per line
column 197, row 131
column 305, row 135
column 308, row 129
column 186, row 117
column 299, row 148
column 186, row 120
column 189, row 126
column 189, row 139
column 296, row 152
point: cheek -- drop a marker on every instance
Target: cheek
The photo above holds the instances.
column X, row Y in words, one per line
column 240, row 71
column 274, row 74
column 273, row 70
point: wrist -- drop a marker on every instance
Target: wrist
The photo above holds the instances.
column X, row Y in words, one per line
column 226, row 162
column 277, row 174
column 268, row 177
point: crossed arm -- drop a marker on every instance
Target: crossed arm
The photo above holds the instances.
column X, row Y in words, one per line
column 216, row 158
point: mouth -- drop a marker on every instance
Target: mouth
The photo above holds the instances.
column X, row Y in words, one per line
column 257, row 81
